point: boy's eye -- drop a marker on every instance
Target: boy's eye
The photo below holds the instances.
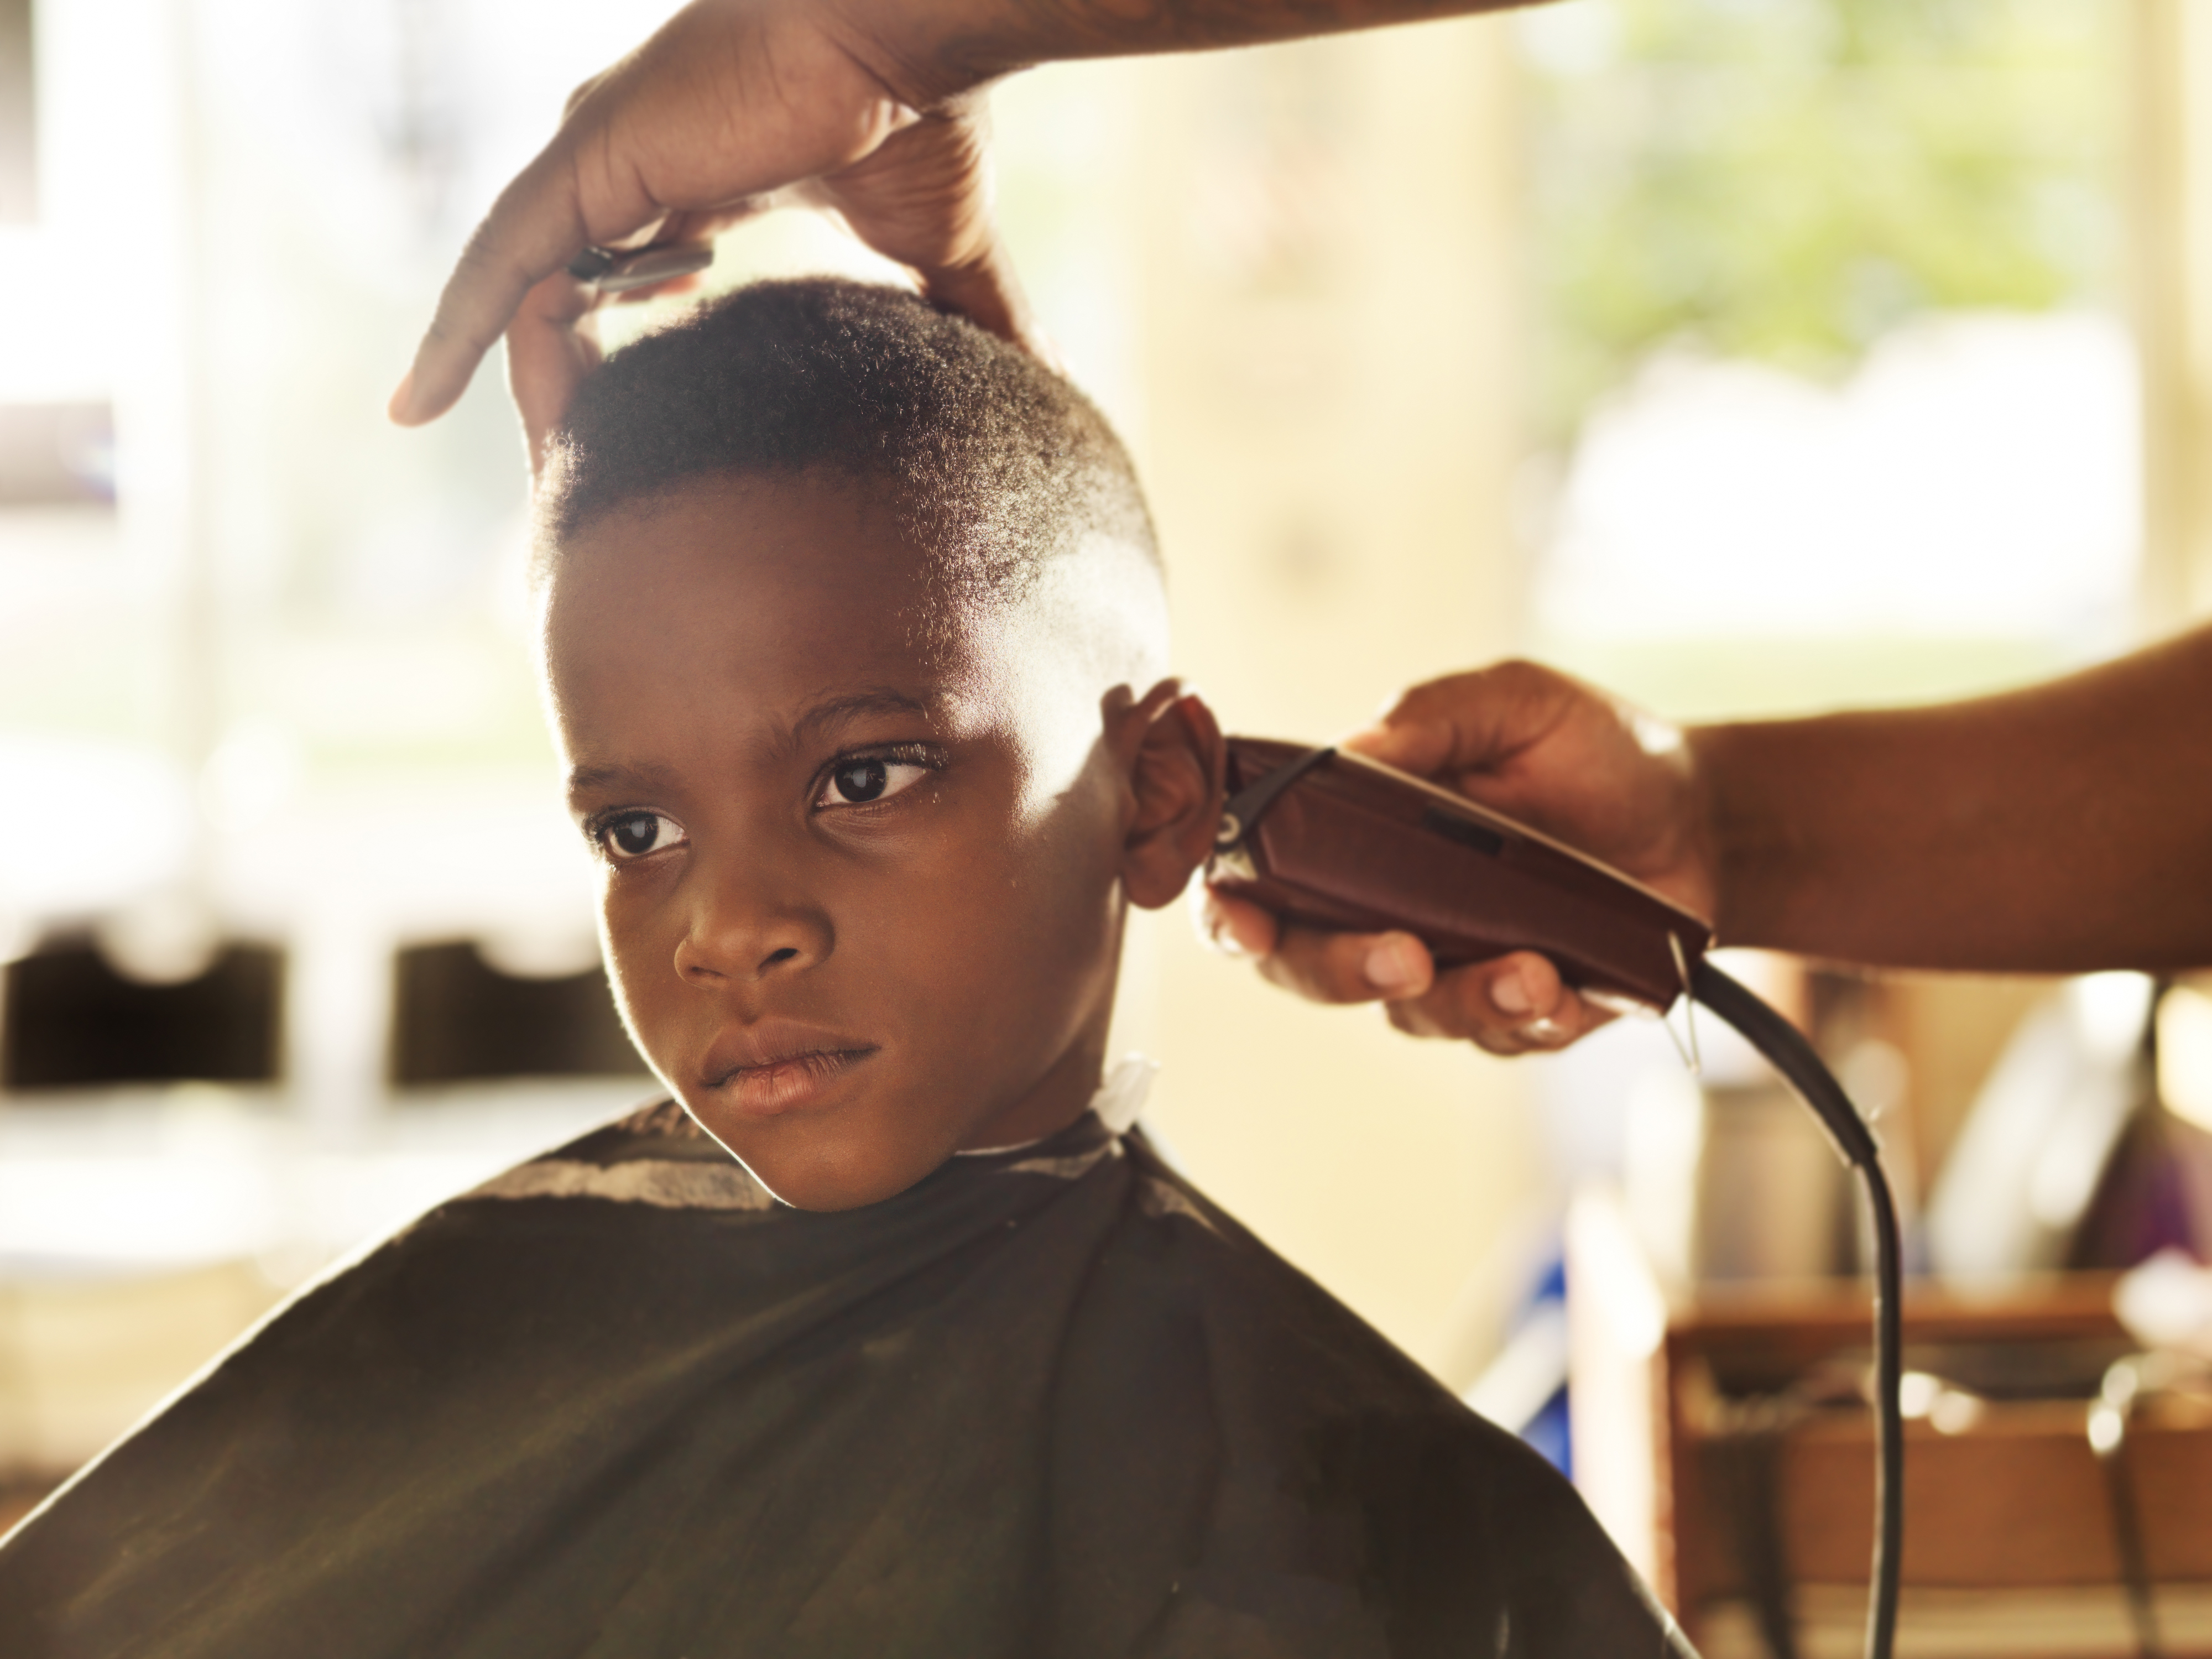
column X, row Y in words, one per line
column 871, row 778
column 633, row 835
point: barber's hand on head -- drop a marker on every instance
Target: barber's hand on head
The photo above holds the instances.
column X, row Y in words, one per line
column 1558, row 754
column 735, row 105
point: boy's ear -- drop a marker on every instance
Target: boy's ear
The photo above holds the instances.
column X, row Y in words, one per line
column 1175, row 772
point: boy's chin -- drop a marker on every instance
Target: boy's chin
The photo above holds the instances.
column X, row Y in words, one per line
column 825, row 1195
column 820, row 1174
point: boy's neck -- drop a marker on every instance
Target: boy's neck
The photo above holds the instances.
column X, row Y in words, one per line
column 1059, row 1098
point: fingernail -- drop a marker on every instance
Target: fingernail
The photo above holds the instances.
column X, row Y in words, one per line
column 1394, row 965
column 1541, row 1031
column 1511, row 995
column 1214, row 926
column 402, row 400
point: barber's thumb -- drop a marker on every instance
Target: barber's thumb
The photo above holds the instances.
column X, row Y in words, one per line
column 1411, row 746
column 1232, row 926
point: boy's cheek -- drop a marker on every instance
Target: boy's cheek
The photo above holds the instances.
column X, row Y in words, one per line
column 648, row 991
column 649, row 1025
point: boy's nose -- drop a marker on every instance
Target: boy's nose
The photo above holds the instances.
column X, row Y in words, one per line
column 742, row 929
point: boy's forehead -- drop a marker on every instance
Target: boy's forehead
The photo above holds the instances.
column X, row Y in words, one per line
column 797, row 601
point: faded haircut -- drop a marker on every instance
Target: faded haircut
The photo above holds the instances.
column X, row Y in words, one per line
column 994, row 465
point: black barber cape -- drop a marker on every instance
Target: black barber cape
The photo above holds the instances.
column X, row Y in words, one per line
column 1047, row 1404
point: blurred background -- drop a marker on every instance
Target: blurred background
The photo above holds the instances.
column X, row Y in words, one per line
column 1745, row 358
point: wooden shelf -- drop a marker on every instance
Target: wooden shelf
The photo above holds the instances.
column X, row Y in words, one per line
column 1688, row 1430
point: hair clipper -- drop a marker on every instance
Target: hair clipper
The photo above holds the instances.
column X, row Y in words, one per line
column 1336, row 840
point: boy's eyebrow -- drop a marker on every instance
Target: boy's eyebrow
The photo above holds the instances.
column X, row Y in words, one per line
column 648, row 775
column 879, row 700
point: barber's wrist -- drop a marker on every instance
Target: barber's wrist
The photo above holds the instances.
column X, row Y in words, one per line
column 1730, row 833
column 928, row 52
column 931, row 55
column 1786, row 873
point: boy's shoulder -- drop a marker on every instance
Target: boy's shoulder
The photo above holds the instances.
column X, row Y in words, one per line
column 657, row 1155
column 1049, row 1401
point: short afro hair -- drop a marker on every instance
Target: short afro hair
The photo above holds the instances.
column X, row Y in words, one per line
column 994, row 464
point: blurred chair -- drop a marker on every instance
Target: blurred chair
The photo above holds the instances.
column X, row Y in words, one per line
column 72, row 1021
column 458, row 1019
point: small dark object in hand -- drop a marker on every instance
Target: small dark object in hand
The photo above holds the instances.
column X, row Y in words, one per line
column 614, row 270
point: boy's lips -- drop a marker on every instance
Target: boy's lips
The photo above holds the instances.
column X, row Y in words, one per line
column 775, row 1067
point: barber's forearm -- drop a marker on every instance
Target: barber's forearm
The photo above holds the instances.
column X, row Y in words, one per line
column 940, row 50
column 2064, row 828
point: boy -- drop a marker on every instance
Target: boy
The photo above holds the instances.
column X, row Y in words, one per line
column 853, row 640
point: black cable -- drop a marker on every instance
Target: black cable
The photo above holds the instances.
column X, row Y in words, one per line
column 1787, row 1050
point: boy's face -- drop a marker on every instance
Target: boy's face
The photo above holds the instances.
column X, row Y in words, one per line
column 862, row 877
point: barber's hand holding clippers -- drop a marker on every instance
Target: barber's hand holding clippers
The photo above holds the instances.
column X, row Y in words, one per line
column 1540, row 747
column 2058, row 828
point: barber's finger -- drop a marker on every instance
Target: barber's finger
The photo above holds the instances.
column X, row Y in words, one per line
column 987, row 292
column 583, row 90
column 1513, row 1005
column 923, row 198
column 1331, row 967
column 1232, row 926
column 551, row 348
column 532, row 231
